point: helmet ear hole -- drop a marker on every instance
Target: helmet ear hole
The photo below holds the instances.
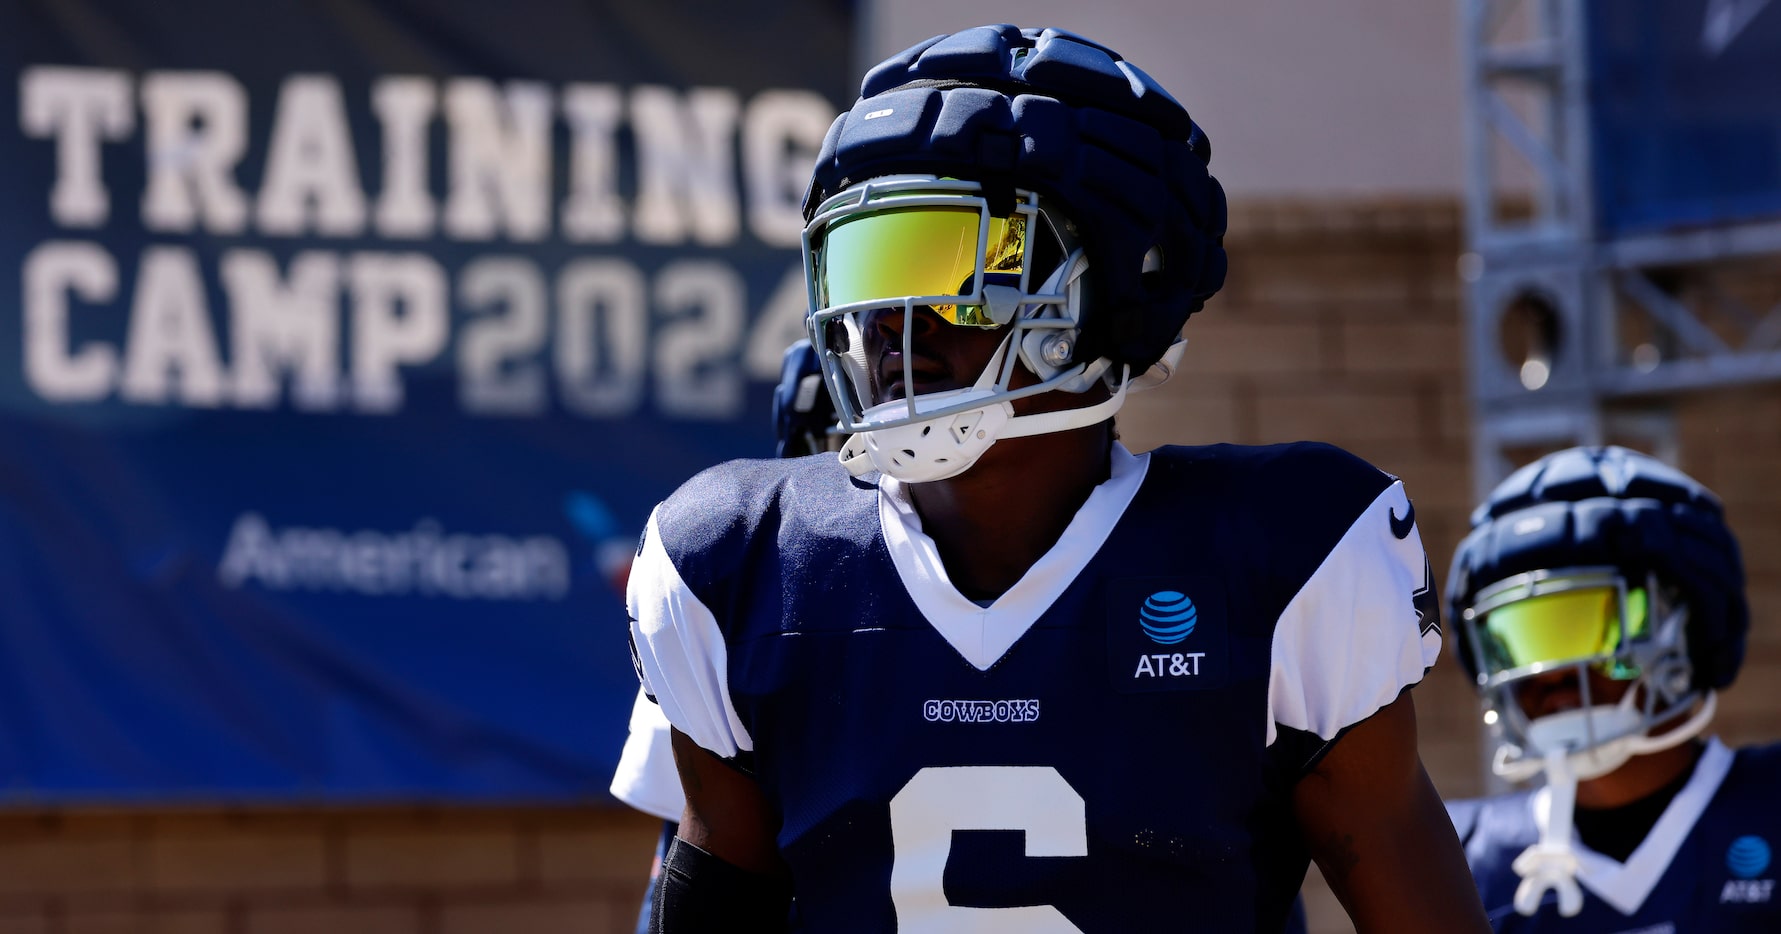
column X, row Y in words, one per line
column 1153, row 278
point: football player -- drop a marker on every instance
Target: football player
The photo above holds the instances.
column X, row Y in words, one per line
column 803, row 424
column 988, row 670
column 1601, row 601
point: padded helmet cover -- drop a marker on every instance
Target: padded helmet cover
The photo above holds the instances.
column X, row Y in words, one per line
column 1609, row 506
column 1052, row 112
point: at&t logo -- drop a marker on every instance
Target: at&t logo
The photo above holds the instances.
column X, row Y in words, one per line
column 1747, row 858
column 1168, row 617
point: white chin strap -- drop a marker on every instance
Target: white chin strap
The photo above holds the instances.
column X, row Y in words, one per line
column 1551, row 864
column 947, row 445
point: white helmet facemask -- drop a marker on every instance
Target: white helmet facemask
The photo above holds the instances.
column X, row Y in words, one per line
column 1592, row 739
column 1596, row 740
column 889, row 246
column 952, row 429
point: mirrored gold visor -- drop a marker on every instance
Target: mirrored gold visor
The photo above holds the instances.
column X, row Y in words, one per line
column 923, row 252
column 1567, row 626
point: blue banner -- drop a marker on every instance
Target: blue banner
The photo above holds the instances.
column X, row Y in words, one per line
column 1685, row 112
column 347, row 347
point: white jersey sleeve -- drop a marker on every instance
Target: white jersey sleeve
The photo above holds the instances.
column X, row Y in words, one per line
column 1363, row 627
column 680, row 652
column 645, row 778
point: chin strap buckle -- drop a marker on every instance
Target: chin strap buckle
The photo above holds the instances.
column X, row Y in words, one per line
column 1551, row 864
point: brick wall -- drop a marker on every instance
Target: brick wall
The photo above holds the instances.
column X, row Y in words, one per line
column 1340, row 323
column 381, row 871
column 1731, row 441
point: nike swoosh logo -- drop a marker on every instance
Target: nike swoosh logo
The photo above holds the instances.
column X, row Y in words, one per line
column 1400, row 528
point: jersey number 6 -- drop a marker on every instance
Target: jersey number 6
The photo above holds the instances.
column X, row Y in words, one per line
column 938, row 801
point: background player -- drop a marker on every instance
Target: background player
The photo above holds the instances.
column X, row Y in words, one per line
column 1000, row 673
column 1601, row 599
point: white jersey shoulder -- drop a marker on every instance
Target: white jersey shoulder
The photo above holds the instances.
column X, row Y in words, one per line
column 1361, row 629
column 681, row 656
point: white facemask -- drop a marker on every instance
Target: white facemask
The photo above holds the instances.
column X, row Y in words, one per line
column 947, row 445
column 930, row 450
column 1615, row 729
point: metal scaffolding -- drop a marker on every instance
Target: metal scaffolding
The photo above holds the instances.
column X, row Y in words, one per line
column 1574, row 337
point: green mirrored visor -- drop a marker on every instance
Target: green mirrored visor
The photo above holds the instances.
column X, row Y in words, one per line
column 1567, row 626
column 922, row 252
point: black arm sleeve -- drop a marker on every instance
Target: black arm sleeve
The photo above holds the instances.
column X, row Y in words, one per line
column 647, row 909
column 700, row 893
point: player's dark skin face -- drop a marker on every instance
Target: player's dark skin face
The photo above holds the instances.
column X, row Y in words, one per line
column 946, row 356
column 1560, row 690
column 1555, row 691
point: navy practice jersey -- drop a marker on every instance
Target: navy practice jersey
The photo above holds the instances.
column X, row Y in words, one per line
column 1706, row 865
column 1109, row 746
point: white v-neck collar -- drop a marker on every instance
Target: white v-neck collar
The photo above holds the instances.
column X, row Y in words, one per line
column 1626, row 885
column 984, row 634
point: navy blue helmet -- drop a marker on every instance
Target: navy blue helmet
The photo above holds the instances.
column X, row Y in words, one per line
column 1052, row 112
column 1026, row 181
column 1617, row 508
column 1612, row 564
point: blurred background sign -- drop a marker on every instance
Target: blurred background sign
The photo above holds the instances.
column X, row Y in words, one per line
column 1684, row 109
column 347, row 346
